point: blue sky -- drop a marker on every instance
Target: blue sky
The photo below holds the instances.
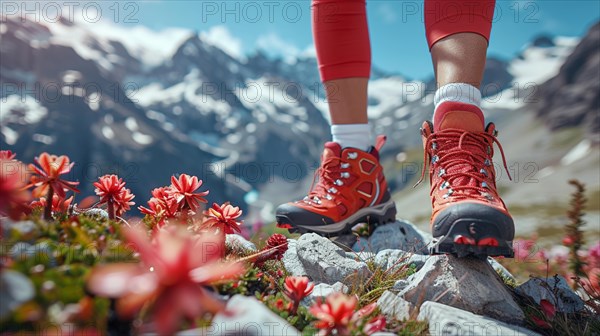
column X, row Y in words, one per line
column 396, row 27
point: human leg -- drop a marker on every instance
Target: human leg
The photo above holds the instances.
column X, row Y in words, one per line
column 351, row 187
column 468, row 215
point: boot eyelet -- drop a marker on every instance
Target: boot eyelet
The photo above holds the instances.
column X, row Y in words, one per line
column 442, row 172
column 345, row 175
column 448, row 194
column 434, row 159
column 484, row 185
column 345, row 165
column 444, row 185
column 487, row 162
column 352, row 155
column 433, row 145
column 339, row 182
column 484, row 172
column 332, row 190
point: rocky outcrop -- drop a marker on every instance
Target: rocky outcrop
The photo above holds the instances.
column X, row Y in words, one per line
column 401, row 235
column 449, row 321
column 555, row 290
column 465, row 283
column 325, row 262
column 572, row 98
column 247, row 316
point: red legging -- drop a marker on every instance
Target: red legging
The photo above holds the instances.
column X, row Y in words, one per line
column 341, row 33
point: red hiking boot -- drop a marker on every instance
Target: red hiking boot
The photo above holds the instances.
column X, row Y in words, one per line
column 351, row 189
column 469, row 218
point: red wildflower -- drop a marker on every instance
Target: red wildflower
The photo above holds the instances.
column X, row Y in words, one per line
column 279, row 243
column 47, row 179
column 548, row 308
column 548, row 311
column 176, row 267
column 124, row 204
column 58, row 204
column 7, row 155
column 183, row 189
column 374, row 325
column 297, row 288
column 108, row 187
column 111, row 190
column 162, row 204
column 279, row 304
column 365, row 311
column 567, row 241
column 48, row 175
column 222, row 217
column 334, row 313
column 13, row 195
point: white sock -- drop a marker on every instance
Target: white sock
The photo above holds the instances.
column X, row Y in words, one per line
column 352, row 135
column 457, row 92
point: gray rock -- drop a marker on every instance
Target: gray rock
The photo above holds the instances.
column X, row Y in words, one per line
column 465, row 283
column 248, row 316
column 15, row 289
column 400, row 235
column 25, row 229
column 290, row 260
column 446, row 320
column 393, row 306
column 360, row 256
column 501, row 270
column 323, row 290
column 97, row 212
column 554, row 289
column 40, row 253
column 427, row 237
column 388, row 259
column 237, row 240
column 326, row 262
column 21, row 251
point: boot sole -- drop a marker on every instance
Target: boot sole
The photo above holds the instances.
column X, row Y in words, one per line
column 374, row 216
column 472, row 237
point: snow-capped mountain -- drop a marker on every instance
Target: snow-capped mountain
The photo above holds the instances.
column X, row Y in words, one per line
column 148, row 104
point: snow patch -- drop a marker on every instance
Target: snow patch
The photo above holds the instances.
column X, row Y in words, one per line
column 141, row 139
column 131, row 124
column 10, row 136
column 42, row 138
column 390, row 93
column 108, row 132
column 538, row 64
column 21, row 110
column 220, row 37
column 577, row 153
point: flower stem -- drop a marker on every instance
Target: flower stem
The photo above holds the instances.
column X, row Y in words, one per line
column 295, row 307
column 111, row 209
column 48, row 209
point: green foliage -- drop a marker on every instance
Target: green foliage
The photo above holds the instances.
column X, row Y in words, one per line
column 57, row 256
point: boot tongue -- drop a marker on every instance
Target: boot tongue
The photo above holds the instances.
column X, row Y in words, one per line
column 332, row 149
column 465, row 120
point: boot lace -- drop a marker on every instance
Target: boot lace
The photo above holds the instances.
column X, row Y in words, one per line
column 331, row 175
column 465, row 160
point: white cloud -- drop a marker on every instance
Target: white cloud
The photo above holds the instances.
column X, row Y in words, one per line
column 274, row 45
column 309, row 51
column 220, row 37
